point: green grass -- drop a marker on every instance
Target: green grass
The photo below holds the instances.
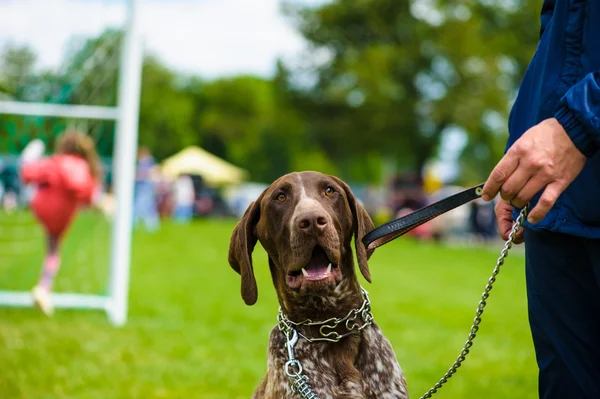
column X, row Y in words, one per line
column 190, row 335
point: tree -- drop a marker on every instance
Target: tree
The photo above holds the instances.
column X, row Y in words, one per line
column 166, row 111
column 397, row 73
column 239, row 114
column 16, row 63
column 90, row 75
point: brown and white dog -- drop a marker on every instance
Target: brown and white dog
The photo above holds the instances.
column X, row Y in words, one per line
column 306, row 221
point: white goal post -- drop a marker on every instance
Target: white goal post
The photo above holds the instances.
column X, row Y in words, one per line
column 126, row 116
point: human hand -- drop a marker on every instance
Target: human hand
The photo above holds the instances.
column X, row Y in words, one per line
column 504, row 218
column 543, row 158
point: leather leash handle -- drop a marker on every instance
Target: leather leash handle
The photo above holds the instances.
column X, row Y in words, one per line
column 394, row 229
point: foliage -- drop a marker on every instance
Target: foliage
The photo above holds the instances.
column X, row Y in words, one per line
column 190, row 335
column 166, row 112
column 397, row 73
column 89, row 76
column 381, row 84
column 16, row 66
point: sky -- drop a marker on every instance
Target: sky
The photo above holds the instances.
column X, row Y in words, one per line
column 209, row 38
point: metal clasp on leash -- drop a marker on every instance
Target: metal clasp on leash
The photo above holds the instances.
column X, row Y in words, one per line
column 291, row 342
column 300, row 382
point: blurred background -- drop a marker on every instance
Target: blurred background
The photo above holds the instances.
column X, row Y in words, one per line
column 406, row 100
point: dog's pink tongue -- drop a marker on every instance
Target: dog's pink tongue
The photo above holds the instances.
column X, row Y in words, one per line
column 317, row 267
column 314, row 270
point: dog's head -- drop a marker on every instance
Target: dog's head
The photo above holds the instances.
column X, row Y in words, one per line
column 305, row 221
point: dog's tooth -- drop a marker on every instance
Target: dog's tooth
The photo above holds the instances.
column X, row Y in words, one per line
column 304, row 272
column 329, row 268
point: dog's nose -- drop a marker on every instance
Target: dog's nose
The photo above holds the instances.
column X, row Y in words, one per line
column 312, row 223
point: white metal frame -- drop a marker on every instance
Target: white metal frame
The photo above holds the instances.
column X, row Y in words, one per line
column 126, row 115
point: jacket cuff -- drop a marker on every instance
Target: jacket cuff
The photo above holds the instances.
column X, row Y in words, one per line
column 576, row 131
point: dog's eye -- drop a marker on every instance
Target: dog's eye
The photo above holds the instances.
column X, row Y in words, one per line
column 281, row 197
column 329, row 191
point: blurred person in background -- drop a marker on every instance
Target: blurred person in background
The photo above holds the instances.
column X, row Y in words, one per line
column 33, row 151
column 64, row 182
column 407, row 192
column 482, row 222
column 9, row 177
column 408, row 195
column 552, row 160
column 164, row 197
column 184, row 197
column 145, row 200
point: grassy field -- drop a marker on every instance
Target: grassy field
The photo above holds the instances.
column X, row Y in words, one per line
column 191, row 336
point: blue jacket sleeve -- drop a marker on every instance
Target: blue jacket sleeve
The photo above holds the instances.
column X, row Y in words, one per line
column 579, row 113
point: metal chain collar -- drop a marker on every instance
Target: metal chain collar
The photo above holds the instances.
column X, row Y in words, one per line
column 350, row 321
column 517, row 225
column 293, row 367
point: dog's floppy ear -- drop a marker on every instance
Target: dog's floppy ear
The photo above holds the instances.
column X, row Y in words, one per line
column 241, row 246
column 362, row 224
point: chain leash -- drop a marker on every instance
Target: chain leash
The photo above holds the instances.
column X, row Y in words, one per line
column 517, row 225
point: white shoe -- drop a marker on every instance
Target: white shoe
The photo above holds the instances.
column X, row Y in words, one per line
column 41, row 297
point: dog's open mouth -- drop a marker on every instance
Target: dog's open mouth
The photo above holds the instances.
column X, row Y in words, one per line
column 318, row 269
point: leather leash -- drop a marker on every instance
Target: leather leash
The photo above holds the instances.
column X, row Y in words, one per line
column 394, row 229
column 389, row 231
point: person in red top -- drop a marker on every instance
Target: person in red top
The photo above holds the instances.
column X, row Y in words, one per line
column 65, row 181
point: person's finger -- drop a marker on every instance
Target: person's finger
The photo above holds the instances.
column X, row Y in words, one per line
column 531, row 188
column 545, row 203
column 499, row 175
column 519, row 237
column 505, row 221
column 515, row 182
column 504, row 227
column 503, row 212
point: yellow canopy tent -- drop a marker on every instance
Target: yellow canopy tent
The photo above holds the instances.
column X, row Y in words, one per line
column 195, row 160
